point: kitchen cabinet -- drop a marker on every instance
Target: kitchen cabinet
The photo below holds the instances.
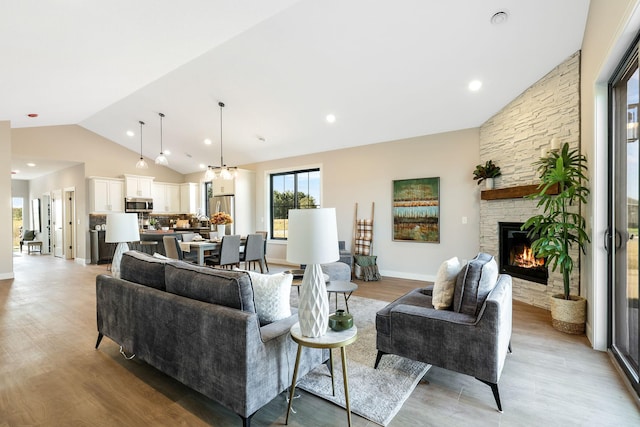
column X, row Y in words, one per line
column 189, row 201
column 223, row 187
column 106, row 195
column 166, row 197
column 138, row 186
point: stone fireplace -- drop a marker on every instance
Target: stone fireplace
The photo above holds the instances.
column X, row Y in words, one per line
column 515, row 138
column 515, row 255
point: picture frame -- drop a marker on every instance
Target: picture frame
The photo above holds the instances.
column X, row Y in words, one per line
column 416, row 210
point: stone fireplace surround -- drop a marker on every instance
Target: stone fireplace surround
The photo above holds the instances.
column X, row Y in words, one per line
column 514, row 139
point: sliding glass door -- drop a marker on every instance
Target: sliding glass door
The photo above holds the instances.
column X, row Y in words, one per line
column 622, row 237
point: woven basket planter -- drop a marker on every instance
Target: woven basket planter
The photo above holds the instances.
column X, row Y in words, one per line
column 569, row 316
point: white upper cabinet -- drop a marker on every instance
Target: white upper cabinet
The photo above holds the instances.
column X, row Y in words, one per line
column 139, row 186
column 166, row 197
column 106, row 195
column 222, row 187
column 189, row 198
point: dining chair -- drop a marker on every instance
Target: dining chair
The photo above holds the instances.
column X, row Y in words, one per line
column 172, row 247
column 229, row 254
column 190, row 256
column 253, row 251
column 265, row 235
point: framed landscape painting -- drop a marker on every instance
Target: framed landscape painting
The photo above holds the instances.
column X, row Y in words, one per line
column 416, row 210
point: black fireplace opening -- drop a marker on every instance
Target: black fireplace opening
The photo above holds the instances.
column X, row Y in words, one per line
column 516, row 256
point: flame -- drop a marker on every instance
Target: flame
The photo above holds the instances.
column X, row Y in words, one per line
column 526, row 259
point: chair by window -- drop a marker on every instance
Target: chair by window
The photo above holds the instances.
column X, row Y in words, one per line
column 27, row 236
column 253, row 251
column 265, row 236
column 229, row 254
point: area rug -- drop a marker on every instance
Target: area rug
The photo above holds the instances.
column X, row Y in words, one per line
column 375, row 394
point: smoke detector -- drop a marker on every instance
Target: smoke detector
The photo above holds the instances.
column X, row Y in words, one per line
column 499, row 18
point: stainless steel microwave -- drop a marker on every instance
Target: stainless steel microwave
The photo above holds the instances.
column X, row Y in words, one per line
column 137, row 204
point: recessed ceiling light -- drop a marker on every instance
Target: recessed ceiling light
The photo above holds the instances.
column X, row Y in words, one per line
column 331, row 118
column 32, row 115
column 131, row 133
column 261, row 138
column 475, row 85
column 202, row 166
column 207, row 141
column 31, row 165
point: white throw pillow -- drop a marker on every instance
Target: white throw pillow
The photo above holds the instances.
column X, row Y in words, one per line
column 160, row 256
column 444, row 286
column 271, row 295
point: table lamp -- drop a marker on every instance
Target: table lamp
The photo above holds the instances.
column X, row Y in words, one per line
column 313, row 240
column 121, row 228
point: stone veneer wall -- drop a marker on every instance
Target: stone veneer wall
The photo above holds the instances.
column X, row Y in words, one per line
column 514, row 138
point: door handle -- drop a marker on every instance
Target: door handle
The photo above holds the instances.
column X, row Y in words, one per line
column 618, row 238
column 607, row 237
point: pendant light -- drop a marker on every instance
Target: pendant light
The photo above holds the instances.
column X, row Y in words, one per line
column 223, row 171
column 141, row 163
column 161, row 159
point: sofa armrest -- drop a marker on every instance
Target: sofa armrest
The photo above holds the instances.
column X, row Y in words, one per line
column 276, row 329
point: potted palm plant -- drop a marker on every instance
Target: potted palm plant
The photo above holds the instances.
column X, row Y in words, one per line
column 560, row 227
column 487, row 173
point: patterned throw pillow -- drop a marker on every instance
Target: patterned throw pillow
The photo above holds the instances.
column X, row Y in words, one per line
column 445, row 284
column 271, row 295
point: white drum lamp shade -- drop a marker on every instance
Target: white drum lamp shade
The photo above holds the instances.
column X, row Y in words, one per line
column 313, row 240
column 121, row 228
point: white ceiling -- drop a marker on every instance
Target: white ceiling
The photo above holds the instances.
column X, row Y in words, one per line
column 386, row 69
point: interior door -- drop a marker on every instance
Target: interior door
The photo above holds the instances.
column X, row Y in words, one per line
column 46, row 223
column 57, row 223
column 69, row 223
column 622, row 237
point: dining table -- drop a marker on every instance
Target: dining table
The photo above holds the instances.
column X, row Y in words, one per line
column 201, row 246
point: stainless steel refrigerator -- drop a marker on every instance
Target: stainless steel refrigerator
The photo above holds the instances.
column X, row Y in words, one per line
column 224, row 204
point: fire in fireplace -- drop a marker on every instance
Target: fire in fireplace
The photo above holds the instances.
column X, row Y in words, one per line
column 516, row 256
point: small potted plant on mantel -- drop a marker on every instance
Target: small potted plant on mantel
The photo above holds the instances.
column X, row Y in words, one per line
column 561, row 226
column 487, row 173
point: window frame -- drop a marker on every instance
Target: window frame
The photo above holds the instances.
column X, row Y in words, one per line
column 296, row 173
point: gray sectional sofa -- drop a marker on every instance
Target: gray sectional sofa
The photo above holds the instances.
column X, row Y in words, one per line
column 199, row 325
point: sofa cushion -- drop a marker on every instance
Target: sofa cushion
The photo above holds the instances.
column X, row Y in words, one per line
column 475, row 281
column 271, row 294
column 144, row 269
column 229, row 288
column 445, row 283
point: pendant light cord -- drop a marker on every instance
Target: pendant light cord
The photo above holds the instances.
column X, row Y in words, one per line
column 221, row 104
column 161, row 116
column 141, row 124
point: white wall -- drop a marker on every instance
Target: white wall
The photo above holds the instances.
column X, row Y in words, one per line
column 6, row 245
column 365, row 174
column 611, row 27
column 20, row 188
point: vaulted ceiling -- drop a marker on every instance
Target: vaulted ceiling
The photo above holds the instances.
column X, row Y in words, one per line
column 386, row 69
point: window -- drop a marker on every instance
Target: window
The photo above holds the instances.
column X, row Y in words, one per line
column 292, row 190
column 208, row 194
column 18, row 210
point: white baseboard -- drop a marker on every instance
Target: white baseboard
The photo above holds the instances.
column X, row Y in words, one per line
column 409, row 276
column 82, row 261
column 6, row 276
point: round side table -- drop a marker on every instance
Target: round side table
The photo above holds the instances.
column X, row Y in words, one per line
column 331, row 339
column 345, row 288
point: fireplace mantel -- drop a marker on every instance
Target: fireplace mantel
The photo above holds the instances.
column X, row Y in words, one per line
column 514, row 192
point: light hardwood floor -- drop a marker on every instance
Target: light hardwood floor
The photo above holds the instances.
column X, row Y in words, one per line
column 50, row 374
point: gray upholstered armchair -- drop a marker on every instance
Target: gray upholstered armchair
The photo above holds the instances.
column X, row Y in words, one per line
column 472, row 337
